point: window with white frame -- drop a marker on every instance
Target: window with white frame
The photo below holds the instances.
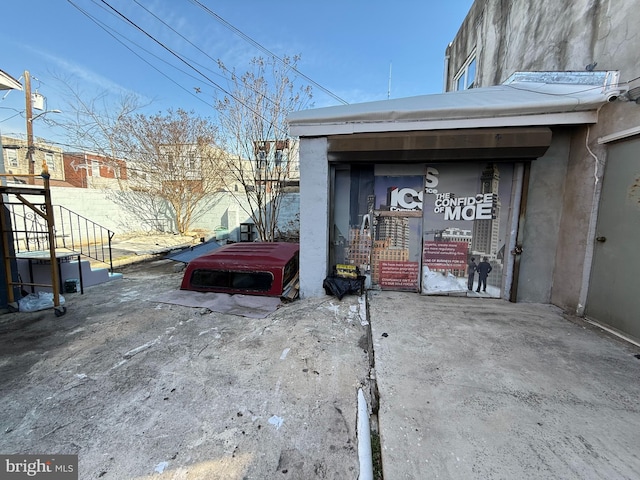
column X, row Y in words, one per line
column 466, row 76
column 193, row 162
column 95, row 168
column 51, row 164
column 193, row 170
column 12, row 157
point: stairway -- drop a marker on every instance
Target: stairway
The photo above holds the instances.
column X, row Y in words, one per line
column 78, row 242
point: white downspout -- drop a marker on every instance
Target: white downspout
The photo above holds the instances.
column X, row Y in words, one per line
column 591, row 231
column 364, row 439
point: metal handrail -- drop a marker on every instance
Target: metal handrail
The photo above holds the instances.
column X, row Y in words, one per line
column 72, row 231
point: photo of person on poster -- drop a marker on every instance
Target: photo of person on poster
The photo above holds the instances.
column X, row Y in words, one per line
column 471, row 271
column 484, row 269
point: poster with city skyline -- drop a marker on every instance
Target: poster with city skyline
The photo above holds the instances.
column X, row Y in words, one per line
column 465, row 215
column 396, row 248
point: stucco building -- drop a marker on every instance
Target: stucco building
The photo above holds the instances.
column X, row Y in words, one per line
column 16, row 161
column 540, row 105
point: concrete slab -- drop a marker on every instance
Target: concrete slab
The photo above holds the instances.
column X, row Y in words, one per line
column 140, row 389
column 481, row 388
column 469, row 387
column 128, row 249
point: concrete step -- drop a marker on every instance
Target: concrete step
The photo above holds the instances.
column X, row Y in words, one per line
column 69, row 271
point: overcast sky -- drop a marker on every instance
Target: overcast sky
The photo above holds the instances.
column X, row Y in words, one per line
column 352, row 50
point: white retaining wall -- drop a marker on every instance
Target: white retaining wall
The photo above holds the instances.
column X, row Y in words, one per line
column 135, row 214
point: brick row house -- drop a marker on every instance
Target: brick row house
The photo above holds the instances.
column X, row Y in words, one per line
column 89, row 170
column 81, row 170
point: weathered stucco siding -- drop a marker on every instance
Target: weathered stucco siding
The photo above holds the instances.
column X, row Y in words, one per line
column 465, row 41
column 547, row 35
column 537, row 35
column 314, row 215
column 542, row 222
column 573, row 246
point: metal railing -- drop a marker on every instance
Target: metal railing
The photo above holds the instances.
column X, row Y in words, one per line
column 72, row 231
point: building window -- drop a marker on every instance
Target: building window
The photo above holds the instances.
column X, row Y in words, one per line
column 262, row 159
column 466, row 76
column 192, row 166
column 48, row 158
column 95, row 168
column 278, row 158
column 12, row 157
column 193, row 163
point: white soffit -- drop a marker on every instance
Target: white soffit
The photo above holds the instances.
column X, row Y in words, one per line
column 7, row 82
column 518, row 103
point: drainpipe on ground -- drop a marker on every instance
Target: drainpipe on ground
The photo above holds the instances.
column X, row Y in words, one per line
column 364, row 439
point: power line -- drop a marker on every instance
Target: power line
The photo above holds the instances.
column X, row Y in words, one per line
column 180, row 35
column 181, row 59
column 262, row 48
column 194, row 46
column 12, row 116
column 106, row 29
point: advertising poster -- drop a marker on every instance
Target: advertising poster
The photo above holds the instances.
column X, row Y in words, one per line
column 397, row 225
column 352, row 216
column 465, row 218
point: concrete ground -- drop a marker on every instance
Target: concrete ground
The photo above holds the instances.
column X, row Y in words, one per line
column 140, row 389
column 486, row 389
column 469, row 388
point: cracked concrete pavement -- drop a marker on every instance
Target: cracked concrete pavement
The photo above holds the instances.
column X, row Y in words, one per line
column 469, row 388
column 140, row 389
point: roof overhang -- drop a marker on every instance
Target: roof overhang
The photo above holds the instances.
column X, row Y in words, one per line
column 574, row 118
column 496, row 144
column 526, row 99
column 7, row 82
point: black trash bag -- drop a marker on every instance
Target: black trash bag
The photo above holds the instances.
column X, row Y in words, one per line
column 339, row 287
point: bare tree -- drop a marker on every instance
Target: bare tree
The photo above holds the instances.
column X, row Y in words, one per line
column 92, row 124
column 173, row 157
column 171, row 160
column 260, row 152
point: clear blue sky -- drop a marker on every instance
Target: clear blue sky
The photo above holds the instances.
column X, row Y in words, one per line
column 349, row 47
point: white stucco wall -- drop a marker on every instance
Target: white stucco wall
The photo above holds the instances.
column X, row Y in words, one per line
column 314, row 216
column 102, row 207
column 96, row 206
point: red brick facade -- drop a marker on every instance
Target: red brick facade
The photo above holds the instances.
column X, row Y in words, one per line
column 86, row 170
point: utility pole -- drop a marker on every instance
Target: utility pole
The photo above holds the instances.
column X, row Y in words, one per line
column 29, row 115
